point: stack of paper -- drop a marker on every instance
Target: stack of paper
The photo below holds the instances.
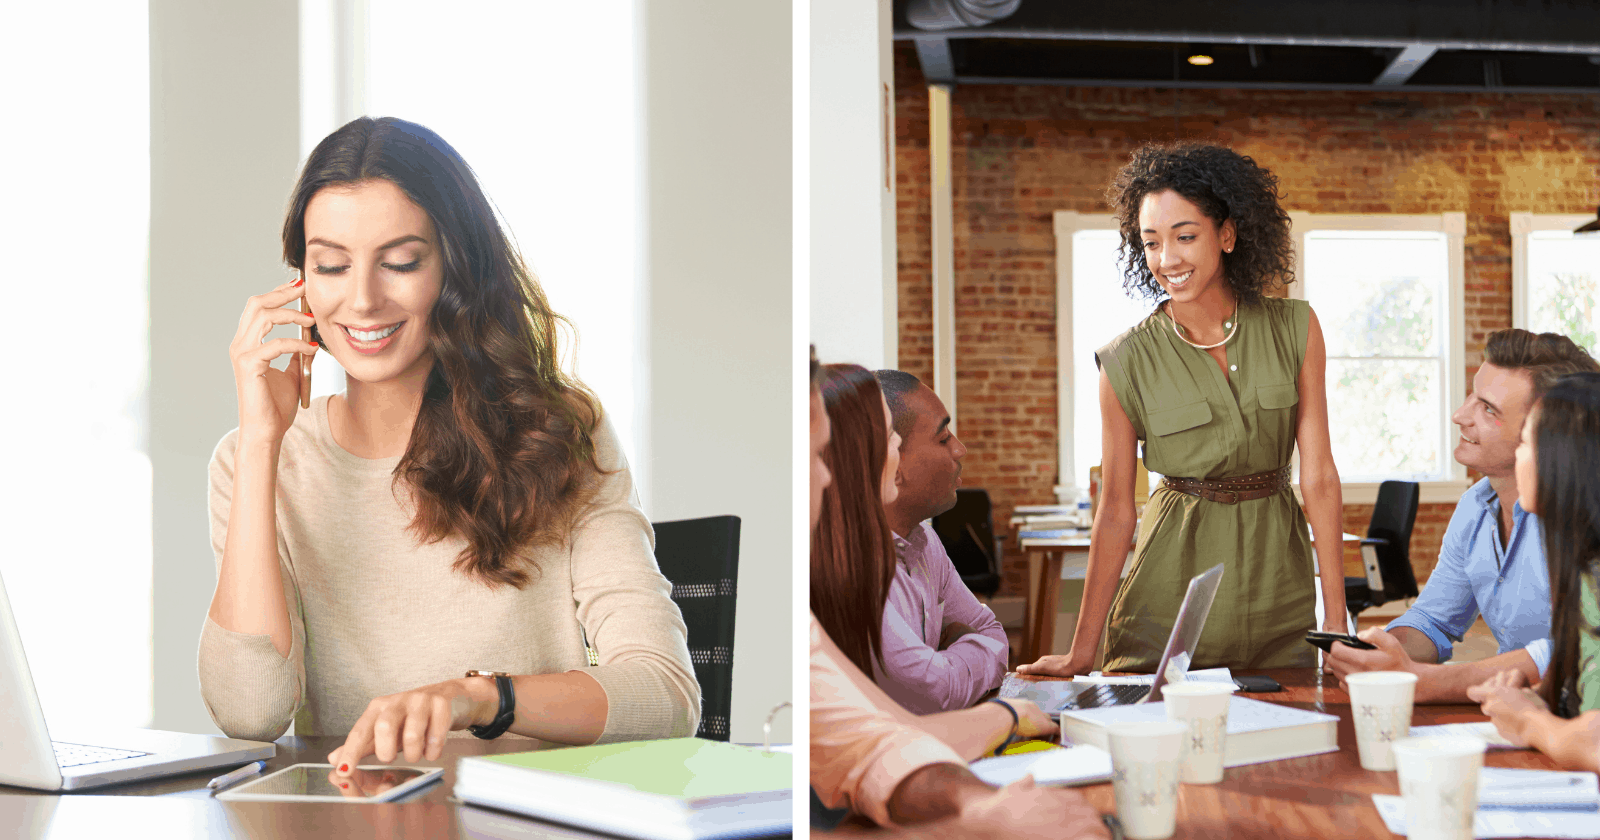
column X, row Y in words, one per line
column 1077, row 765
column 1484, row 730
column 1515, row 802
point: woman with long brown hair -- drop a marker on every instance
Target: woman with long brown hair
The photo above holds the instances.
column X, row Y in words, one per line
column 462, row 507
column 1558, row 476
column 852, row 551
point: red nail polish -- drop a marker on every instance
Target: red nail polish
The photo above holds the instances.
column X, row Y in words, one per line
column 314, row 344
column 344, row 768
column 299, row 281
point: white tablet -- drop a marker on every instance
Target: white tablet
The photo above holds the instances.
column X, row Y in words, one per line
column 316, row 783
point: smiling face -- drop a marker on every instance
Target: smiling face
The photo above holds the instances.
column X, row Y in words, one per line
column 891, row 463
column 1491, row 420
column 373, row 272
column 1182, row 246
column 930, row 463
column 1527, row 469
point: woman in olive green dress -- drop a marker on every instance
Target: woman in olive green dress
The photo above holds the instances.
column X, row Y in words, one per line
column 1220, row 384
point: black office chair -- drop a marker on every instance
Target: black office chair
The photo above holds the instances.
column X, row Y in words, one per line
column 967, row 531
column 1386, row 552
column 701, row 558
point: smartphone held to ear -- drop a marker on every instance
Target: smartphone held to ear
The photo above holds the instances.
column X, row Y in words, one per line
column 306, row 334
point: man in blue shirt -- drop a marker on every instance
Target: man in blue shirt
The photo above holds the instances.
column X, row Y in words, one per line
column 1492, row 556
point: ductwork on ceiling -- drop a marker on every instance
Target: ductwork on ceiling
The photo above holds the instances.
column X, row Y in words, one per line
column 938, row 15
column 1512, row 46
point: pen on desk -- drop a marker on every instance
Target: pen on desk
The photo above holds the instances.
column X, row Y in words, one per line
column 242, row 773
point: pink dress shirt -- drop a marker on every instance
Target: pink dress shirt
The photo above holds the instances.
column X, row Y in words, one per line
column 927, row 594
column 862, row 745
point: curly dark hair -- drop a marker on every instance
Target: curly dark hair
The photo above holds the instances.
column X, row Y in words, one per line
column 1224, row 185
column 503, row 453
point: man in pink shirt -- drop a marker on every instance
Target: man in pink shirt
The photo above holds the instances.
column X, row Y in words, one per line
column 942, row 648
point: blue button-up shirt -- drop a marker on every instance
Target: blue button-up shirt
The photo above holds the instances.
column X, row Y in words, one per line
column 1510, row 585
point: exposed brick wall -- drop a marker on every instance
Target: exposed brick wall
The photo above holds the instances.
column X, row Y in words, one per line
column 1023, row 152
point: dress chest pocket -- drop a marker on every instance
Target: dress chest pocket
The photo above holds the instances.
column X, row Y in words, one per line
column 1170, row 421
column 1286, row 395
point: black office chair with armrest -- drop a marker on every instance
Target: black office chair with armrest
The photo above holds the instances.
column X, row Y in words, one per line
column 967, row 532
column 701, row 558
column 1386, row 551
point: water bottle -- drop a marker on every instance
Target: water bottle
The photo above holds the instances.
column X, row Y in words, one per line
column 1085, row 513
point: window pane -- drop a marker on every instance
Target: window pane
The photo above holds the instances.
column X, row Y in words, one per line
column 1384, row 417
column 76, row 507
column 1377, row 293
column 1101, row 311
column 1561, row 285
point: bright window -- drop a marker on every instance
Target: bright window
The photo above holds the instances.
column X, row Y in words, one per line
column 76, row 503
column 1387, row 290
column 1554, row 277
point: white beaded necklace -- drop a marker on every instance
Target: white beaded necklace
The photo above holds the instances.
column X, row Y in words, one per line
column 1232, row 324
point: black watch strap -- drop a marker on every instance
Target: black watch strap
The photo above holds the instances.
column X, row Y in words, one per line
column 508, row 706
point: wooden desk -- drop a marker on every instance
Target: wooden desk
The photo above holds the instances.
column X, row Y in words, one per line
column 1326, row 795
column 180, row 807
column 1047, row 568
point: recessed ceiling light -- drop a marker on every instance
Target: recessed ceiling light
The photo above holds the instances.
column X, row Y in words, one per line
column 1200, row 60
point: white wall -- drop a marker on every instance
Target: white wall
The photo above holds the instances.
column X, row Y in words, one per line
column 716, row 141
column 854, row 314
column 224, row 119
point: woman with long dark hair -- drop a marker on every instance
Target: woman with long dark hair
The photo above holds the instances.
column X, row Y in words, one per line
column 1558, row 475
column 462, row 507
column 1217, row 387
column 852, row 551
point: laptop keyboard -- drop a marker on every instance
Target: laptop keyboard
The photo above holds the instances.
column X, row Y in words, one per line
column 1107, row 695
column 75, row 755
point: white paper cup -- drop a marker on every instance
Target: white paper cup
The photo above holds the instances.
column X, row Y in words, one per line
column 1204, row 707
column 1144, row 776
column 1381, row 704
column 1439, row 780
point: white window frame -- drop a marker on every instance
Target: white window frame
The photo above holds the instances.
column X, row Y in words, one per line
column 1522, row 226
column 1453, row 225
column 1453, row 390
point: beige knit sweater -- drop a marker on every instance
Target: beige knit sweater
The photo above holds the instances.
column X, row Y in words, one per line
column 375, row 613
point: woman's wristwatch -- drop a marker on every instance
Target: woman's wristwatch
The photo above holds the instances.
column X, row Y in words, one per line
column 508, row 706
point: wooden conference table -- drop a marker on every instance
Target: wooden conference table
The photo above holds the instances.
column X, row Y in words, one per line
column 179, row 807
column 1326, row 795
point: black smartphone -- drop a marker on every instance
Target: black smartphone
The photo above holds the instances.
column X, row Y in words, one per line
column 1257, row 684
column 1326, row 640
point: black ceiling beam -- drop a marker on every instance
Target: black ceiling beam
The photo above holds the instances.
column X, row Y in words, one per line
column 1562, row 26
column 1285, row 86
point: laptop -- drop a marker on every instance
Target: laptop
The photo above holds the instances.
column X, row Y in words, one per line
column 87, row 758
column 1057, row 696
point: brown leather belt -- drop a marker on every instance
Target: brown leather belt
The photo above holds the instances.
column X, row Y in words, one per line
column 1231, row 491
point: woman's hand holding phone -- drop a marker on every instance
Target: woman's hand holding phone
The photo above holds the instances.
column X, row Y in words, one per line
column 267, row 396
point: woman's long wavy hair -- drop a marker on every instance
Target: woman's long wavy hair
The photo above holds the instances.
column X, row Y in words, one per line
column 1567, row 452
column 502, row 454
column 1224, row 185
column 852, row 551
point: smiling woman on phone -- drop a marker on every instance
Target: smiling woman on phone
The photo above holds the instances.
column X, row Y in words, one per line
column 462, row 507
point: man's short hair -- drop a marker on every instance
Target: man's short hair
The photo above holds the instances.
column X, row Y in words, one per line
column 896, row 386
column 1546, row 357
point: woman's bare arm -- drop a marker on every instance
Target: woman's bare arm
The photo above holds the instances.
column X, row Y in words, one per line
column 1319, row 479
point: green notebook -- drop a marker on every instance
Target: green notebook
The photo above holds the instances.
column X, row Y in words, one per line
column 674, row 789
column 685, row 768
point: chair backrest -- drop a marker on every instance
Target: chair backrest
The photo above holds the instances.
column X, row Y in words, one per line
column 967, row 531
column 701, row 558
column 1393, row 516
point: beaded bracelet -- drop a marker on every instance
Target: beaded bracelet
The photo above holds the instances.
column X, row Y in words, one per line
column 1015, row 722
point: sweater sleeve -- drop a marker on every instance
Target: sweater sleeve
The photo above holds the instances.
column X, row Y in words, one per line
column 624, row 604
column 251, row 691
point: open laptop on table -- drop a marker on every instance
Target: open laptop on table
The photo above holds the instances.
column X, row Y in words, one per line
column 28, row 758
column 1057, row 696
